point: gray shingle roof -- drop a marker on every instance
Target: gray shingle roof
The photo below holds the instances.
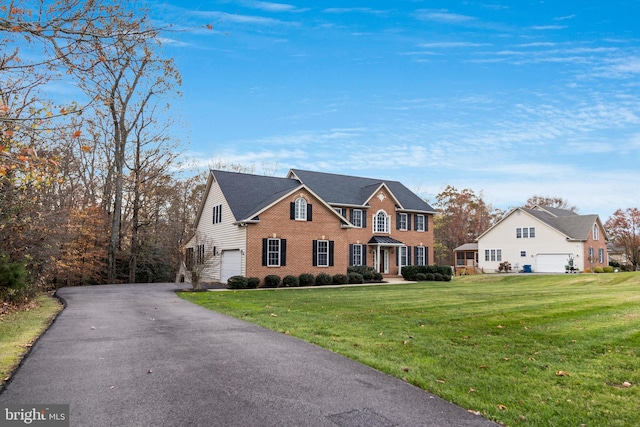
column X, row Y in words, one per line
column 571, row 224
column 353, row 190
column 248, row 194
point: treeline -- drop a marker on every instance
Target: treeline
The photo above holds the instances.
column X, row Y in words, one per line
column 88, row 188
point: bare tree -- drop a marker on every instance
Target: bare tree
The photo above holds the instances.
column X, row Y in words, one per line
column 552, row 202
column 623, row 228
column 201, row 259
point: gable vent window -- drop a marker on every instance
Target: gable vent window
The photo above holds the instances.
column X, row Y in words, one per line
column 301, row 210
column 217, row 214
column 595, row 232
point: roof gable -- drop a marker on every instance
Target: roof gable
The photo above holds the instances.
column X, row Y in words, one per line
column 353, row 190
column 567, row 223
column 248, row 194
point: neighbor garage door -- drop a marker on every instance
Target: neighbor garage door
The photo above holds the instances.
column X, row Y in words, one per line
column 550, row 263
column 230, row 265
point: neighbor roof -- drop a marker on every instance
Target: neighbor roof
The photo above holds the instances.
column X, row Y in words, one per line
column 569, row 223
column 356, row 191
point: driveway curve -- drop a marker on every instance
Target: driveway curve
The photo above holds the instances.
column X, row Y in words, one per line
column 137, row 355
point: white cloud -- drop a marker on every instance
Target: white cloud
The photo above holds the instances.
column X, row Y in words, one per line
column 443, row 16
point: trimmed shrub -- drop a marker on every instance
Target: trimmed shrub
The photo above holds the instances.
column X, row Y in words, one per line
column 438, row 277
column 421, row 277
column 446, row 277
column 608, row 269
column 237, row 282
column 367, row 272
column 598, row 270
column 291, row 281
column 355, row 277
column 272, row 281
column 409, row 272
column 323, row 279
column 377, row 277
column 430, row 277
column 306, row 279
column 340, row 279
column 253, row 282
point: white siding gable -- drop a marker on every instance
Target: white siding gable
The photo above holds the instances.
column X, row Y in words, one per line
column 537, row 250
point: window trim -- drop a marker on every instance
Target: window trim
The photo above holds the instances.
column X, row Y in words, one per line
column 300, row 209
column 403, row 220
column 357, row 222
column 420, row 255
column 493, row 255
column 596, row 232
column 274, row 251
column 378, row 218
column 419, row 225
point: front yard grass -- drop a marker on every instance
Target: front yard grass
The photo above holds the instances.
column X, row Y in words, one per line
column 19, row 329
column 532, row 350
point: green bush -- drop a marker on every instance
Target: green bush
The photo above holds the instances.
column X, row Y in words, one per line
column 409, row 272
column 323, row 279
column 598, row 270
column 253, row 282
column 608, row 269
column 237, row 282
column 14, row 282
column 307, row 279
column 355, row 277
column 272, row 281
column 368, row 273
column 340, row 279
column 438, row 277
column 429, row 277
column 421, row 277
column 446, row 277
column 377, row 277
column 291, row 281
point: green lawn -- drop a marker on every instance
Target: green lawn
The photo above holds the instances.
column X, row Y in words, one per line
column 547, row 350
column 18, row 330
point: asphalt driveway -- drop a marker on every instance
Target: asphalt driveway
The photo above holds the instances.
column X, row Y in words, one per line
column 137, row 355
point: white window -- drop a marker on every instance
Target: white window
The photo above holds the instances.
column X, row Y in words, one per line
column 402, row 222
column 339, row 210
column 419, row 255
column 532, row 232
column 356, row 217
column 591, row 255
column 493, row 255
column 595, row 231
column 523, row 253
column 217, row 214
column 356, row 256
column 420, row 224
column 323, row 253
column 301, row 209
column 518, row 233
column 525, row 233
column 273, row 252
column 601, row 255
column 381, row 222
column 403, row 255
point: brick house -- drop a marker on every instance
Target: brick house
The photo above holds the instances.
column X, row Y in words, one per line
column 308, row 222
column 544, row 239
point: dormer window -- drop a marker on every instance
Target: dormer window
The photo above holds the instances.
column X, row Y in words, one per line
column 595, row 231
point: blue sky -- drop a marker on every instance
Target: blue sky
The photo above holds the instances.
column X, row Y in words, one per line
column 507, row 98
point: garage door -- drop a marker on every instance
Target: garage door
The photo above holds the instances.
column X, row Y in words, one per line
column 550, row 263
column 230, row 265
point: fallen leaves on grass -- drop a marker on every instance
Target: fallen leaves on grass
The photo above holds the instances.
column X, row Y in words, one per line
column 563, row 373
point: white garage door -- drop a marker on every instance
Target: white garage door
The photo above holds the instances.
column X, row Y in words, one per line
column 230, row 265
column 550, row 263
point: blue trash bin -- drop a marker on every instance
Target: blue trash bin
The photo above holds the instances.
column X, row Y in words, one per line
column 526, row 268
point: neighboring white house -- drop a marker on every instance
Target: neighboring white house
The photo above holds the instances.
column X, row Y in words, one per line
column 543, row 239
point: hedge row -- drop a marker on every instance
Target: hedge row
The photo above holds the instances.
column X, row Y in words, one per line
column 422, row 273
column 354, row 275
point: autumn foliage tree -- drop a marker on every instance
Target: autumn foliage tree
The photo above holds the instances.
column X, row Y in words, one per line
column 462, row 217
column 623, row 228
column 549, row 201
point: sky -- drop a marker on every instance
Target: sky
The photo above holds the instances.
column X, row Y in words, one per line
column 507, row 98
